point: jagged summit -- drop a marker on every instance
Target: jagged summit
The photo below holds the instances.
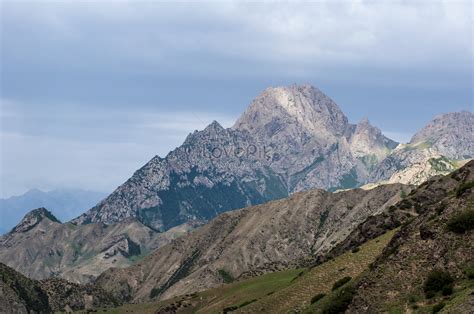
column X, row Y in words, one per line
column 451, row 134
column 214, row 126
column 33, row 218
column 368, row 140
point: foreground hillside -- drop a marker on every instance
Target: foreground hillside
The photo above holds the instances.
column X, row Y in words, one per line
column 279, row 291
column 415, row 257
column 251, row 241
column 437, row 244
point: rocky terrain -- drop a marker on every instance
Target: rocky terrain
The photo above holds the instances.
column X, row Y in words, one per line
column 442, row 146
column 413, row 257
column 20, row 294
column 449, row 134
column 289, row 139
column 439, row 239
column 40, row 246
column 250, row 241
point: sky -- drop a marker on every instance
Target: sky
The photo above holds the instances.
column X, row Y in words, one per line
column 92, row 90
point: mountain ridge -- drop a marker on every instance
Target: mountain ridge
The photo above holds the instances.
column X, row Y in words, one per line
column 63, row 203
column 289, row 139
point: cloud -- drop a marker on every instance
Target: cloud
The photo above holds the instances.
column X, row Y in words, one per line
column 305, row 35
column 90, row 90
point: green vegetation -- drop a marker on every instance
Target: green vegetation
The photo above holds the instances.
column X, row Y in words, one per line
column 29, row 291
column 438, row 307
column 317, row 297
column 277, row 292
column 339, row 302
column 403, row 194
column 441, row 164
column 341, row 282
column 462, row 222
column 348, row 181
column 464, row 187
column 322, row 218
column 438, row 281
column 441, row 207
column 225, row 276
column 469, row 271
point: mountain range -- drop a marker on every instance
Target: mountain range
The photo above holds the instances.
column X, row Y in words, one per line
column 289, row 139
column 277, row 191
column 64, row 203
column 396, row 250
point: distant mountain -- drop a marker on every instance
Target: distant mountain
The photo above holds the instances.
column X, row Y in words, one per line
column 40, row 246
column 64, row 203
column 449, row 134
column 289, row 139
column 444, row 145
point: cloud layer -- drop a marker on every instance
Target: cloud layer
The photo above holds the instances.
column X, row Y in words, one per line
column 91, row 90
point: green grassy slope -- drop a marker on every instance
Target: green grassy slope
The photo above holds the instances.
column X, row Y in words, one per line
column 276, row 292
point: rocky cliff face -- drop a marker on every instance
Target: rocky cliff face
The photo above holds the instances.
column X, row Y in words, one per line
column 42, row 247
column 250, row 241
column 451, row 135
column 290, row 139
column 437, row 149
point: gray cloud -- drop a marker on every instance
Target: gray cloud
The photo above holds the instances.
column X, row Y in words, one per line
column 105, row 85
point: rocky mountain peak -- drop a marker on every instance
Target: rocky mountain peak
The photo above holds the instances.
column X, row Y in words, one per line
column 450, row 134
column 33, row 218
column 214, row 127
column 368, row 140
column 303, row 107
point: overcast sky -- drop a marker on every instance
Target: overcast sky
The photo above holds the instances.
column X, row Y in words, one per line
column 91, row 90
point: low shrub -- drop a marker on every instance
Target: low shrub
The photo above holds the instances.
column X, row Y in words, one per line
column 464, row 187
column 440, row 209
column 469, row 271
column 226, row 277
column 341, row 282
column 317, row 297
column 356, row 249
column 437, row 281
column 247, row 303
column 438, row 307
column 339, row 302
column 447, row 290
column 462, row 222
